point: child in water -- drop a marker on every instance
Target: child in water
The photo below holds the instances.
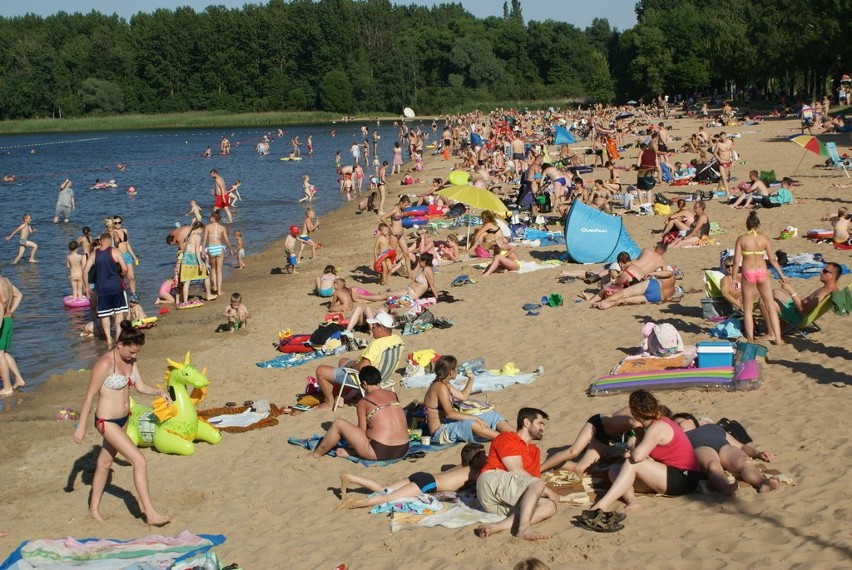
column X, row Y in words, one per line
column 241, row 251
column 75, row 262
column 308, row 189
column 194, row 210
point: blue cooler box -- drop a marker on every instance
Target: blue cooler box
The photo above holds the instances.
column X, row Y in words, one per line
column 712, row 354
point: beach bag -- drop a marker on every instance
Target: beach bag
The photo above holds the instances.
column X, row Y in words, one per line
column 481, row 252
column 660, row 198
column 662, row 209
column 456, row 210
column 472, row 407
column 324, row 333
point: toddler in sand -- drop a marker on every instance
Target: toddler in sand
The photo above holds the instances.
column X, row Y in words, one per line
column 75, row 262
column 290, row 243
column 241, row 250
column 840, row 223
column 237, row 313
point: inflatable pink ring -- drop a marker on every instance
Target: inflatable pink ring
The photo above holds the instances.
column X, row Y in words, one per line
column 71, row 302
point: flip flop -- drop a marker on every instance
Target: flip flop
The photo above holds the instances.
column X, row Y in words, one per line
column 532, row 313
column 531, row 306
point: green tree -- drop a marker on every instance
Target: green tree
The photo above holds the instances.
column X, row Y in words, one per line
column 335, row 92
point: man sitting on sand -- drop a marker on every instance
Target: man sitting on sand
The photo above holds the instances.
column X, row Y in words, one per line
column 717, row 451
column 756, row 187
column 509, row 484
column 381, row 327
column 793, row 308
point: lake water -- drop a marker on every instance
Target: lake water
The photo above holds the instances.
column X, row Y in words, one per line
column 168, row 170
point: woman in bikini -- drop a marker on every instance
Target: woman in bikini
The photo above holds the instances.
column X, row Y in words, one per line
column 24, row 242
column 397, row 234
column 121, row 240
column 193, row 265
column 382, row 431
column 112, row 376
column 215, row 241
column 750, row 254
column 86, row 241
column 422, row 281
column 446, row 425
column 487, row 233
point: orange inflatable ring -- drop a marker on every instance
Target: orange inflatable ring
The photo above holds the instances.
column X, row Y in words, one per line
column 387, row 254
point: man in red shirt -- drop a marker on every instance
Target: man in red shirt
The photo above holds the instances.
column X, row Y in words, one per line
column 509, row 484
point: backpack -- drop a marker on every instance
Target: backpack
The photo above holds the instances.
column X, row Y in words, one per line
column 661, row 199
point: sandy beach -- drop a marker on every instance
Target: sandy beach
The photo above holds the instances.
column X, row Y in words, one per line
column 276, row 506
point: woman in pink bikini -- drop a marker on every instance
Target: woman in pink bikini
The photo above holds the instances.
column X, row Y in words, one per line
column 112, row 376
column 750, row 254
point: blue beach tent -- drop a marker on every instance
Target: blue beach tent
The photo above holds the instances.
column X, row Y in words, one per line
column 563, row 136
column 593, row 236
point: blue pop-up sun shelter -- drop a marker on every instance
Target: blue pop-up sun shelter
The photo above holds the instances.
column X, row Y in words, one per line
column 563, row 136
column 593, row 236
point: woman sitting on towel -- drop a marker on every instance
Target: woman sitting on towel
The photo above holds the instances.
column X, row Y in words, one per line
column 487, row 233
column 381, row 433
column 472, row 461
column 446, row 425
column 662, row 462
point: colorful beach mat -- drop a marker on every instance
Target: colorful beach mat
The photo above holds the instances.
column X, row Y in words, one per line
column 149, row 552
column 677, row 378
column 291, row 359
column 415, row 447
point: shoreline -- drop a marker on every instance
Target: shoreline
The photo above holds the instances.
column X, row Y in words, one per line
column 272, row 502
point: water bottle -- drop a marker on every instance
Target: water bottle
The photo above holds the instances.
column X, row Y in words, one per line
column 471, row 365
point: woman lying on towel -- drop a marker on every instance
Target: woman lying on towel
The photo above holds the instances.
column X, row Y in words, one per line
column 657, row 287
column 446, row 424
column 381, row 433
column 472, row 461
column 600, row 437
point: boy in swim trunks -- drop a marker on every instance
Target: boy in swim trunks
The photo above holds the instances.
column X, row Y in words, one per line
column 290, row 243
column 237, row 313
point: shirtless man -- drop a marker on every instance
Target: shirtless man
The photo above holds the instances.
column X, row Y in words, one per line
column 220, row 192
column 518, row 148
column 723, row 151
column 793, row 308
column 747, row 196
column 659, row 286
column 10, row 298
column 649, row 261
column 178, row 237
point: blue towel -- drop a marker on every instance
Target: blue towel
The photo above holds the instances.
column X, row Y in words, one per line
column 804, row 270
column 414, row 447
column 291, row 359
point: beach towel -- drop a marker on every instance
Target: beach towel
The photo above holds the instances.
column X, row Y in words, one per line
column 413, row 447
column 570, row 487
column 484, row 380
column 456, row 511
column 424, row 504
column 291, row 359
column 150, row 552
column 804, row 269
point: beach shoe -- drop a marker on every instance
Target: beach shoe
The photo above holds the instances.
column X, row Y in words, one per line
column 616, row 517
column 532, row 313
column 591, row 277
column 598, row 521
column 566, row 279
column 462, row 280
column 531, row 306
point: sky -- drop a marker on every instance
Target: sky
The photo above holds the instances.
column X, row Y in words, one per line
column 620, row 13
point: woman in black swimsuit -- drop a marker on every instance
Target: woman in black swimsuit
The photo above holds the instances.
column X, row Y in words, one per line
column 381, row 433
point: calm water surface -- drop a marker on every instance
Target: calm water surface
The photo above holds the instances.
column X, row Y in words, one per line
column 168, row 170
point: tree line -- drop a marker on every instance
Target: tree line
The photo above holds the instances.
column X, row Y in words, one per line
column 349, row 56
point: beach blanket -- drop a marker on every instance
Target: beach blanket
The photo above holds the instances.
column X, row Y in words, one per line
column 415, row 447
column 484, row 380
column 424, row 504
column 152, row 552
column 291, row 359
column 571, row 488
column 456, row 511
column 805, row 270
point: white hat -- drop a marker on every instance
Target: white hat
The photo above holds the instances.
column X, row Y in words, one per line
column 382, row 318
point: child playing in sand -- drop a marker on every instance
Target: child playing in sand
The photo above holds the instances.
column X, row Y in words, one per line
column 325, row 282
column 841, row 228
column 472, row 461
column 241, row 250
column 308, row 189
column 368, row 204
column 136, row 314
column 309, row 224
column 598, row 438
column 167, row 293
column 237, row 313
column 383, row 251
column 290, row 243
column 194, row 210
column 75, row 262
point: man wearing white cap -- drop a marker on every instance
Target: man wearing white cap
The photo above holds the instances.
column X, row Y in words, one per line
column 381, row 327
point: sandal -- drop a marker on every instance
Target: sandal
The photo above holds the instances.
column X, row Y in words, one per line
column 598, row 521
column 614, row 516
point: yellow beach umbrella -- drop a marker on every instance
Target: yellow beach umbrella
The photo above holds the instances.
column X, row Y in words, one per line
column 475, row 197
